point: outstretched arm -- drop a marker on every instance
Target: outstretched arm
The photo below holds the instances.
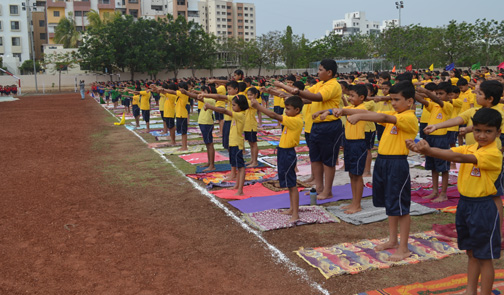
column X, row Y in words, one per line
column 430, row 95
column 423, row 147
column 217, row 109
column 364, row 115
column 448, row 123
column 301, row 93
column 255, row 104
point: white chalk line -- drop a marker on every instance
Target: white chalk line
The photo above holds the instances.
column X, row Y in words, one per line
column 278, row 255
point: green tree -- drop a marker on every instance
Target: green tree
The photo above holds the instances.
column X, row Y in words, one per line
column 66, row 32
column 59, row 62
column 490, row 39
column 289, row 48
column 27, row 66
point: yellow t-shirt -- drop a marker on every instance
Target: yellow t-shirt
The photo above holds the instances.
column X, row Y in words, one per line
column 180, row 105
column 357, row 131
column 467, row 117
column 393, row 141
column 467, row 99
column 221, row 90
column 162, row 99
column 439, row 114
column 331, row 97
column 307, row 115
column 291, row 131
column 229, row 107
column 479, row 180
column 145, row 100
column 236, row 131
column 276, row 101
column 370, row 106
column 206, row 117
column 454, row 81
column 425, row 112
column 457, row 104
column 135, row 100
column 169, row 106
column 250, row 118
column 200, row 105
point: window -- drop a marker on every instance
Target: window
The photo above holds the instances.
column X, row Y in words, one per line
column 218, row 19
column 246, row 8
column 18, row 55
column 246, row 33
column 14, row 9
column 218, row 26
column 246, row 27
column 133, row 12
column 252, row 27
column 251, row 34
column 43, row 36
column 229, row 20
column 239, row 8
column 180, row 2
column 240, row 33
column 229, row 13
column 246, row 20
column 246, row 14
column 229, row 27
column 246, row 39
column 229, row 7
column 78, row 13
column 104, row 2
column 41, row 23
column 79, row 28
column 251, row 21
column 240, row 27
column 218, row 12
column 251, row 15
column 217, row 6
column 56, row 13
column 132, row 1
column 0, row 25
column 251, row 9
column 85, row 13
column 16, row 41
column 14, row 25
column 1, row 41
column 229, row 33
column 240, row 20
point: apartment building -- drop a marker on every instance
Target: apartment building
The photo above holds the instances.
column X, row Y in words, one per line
column 357, row 23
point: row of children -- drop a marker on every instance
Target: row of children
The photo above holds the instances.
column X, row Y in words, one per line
column 8, row 89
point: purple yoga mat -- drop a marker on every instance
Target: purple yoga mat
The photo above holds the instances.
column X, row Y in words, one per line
column 270, row 125
column 451, row 192
column 257, row 204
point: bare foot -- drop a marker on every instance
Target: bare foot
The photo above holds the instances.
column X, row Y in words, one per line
column 230, row 178
column 367, row 174
column 239, row 193
column 182, row 149
column 399, row 255
column 346, row 206
column 386, row 245
column 234, row 187
column 323, row 196
column 173, row 143
column 294, row 218
column 252, row 165
column 287, row 212
column 353, row 210
column 442, row 197
column 433, row 195
column 210, row 168
column 310, row 180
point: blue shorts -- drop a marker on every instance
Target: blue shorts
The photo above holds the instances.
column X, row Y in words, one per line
column 325, row 142
column 286, row 159
column 115, row 99
column 162, row 114
column 370, row 139
column 477, row 223
column 188, row 108
column 146, row 115
column 236, row 157
column 499, row 183
column 250, row 136
column 379, row 130
column 126, row 102
column 435, row 164
column 452, row 137
column 225, row 134
column 278, row 110
column 170, row 122
column 307, row 138
column 421, row 128
column 219, row 116
column 355, row 154
column 136, row 110
column 182, row 125
column 206, row 131
column 392, row 184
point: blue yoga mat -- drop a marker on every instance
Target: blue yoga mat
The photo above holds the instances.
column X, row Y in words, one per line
column 257, row 204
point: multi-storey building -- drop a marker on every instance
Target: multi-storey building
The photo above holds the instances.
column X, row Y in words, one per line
column 356, row 23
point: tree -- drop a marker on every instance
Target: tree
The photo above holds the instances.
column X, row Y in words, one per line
column 60, row 62
column 490, row 37
column 27, row 66
column 289, row 48
column 66, row 32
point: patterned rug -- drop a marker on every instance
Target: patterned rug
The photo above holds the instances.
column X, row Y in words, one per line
column 353, row 258
column 252, row 175
column 455, row 284
column 274, row 219
column 198, row 158
column 301, row 160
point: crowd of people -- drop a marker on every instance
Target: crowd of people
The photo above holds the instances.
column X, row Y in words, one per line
column 459, row 120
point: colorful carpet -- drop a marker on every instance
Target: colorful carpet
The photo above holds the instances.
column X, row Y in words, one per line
column 223, row 167
column 268, row 152
column 353, row 258
column 342, row 192
column 302, row 159
column 450, row 232
column 199, row 158
column 178, row 137
column 455, row 284
column 452, row 180
column 370, row 213
column 176, row 150
column 452, row 193
column 252, row 175
column 274, row 219
column 254, row 190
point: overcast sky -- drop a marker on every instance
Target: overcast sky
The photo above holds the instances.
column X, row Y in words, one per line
column 314, row 17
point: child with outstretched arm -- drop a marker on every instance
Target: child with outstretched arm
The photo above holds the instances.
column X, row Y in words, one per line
column 478, row 212
column 293, row 125
column 236, row 140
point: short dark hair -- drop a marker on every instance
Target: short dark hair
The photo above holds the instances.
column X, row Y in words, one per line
column 404, row 88
column 431, row 86
column 247, row 80
column 183, row 85
column 492, row 88
column 462, row 82
column 239, row 72
column 172, row 86
column 372, row 88
column 387, row 83
column 330, row 65
column 360, row 89
column 232, row 84
column 291, row 78
column 456, row 89
column 404, row 77
column 253, row 90
column 242, row 86
column 488, row 117
column 241, row 101
column 298, row 84
column 295, row 101
column 445, row 86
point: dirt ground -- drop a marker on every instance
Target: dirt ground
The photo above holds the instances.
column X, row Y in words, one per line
column 87, row 208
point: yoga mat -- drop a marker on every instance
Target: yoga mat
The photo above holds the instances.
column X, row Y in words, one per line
column 274, row 219
column 450, row 232
column 8, row 98
column 452, row 193
column 353, row 258
column 251, row 175
column 198, row 158
column 175, row 150
column 370, row 213
column 254, row 190
column 455, row 284
column 178, row 137
column 299, row 149
column 343, row 192
column 222, row 167
column 276, row 143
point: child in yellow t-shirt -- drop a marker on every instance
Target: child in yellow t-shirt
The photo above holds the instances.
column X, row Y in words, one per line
column 250, row 128
column 293, row 125
column 478, row 220
column 236, row 140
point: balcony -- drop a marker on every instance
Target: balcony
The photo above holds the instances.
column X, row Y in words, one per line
column 56, row 3
column 82, row 5
column 106, row 4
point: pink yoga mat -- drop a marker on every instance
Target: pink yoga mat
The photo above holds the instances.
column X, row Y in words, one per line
column 255, row 190
column 453, row 198
column 198, row 158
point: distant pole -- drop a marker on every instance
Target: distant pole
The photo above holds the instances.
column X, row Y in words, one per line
column 399, row 6
column 30, row 26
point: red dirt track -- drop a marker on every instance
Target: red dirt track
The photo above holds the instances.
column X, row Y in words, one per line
column 68, row 227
